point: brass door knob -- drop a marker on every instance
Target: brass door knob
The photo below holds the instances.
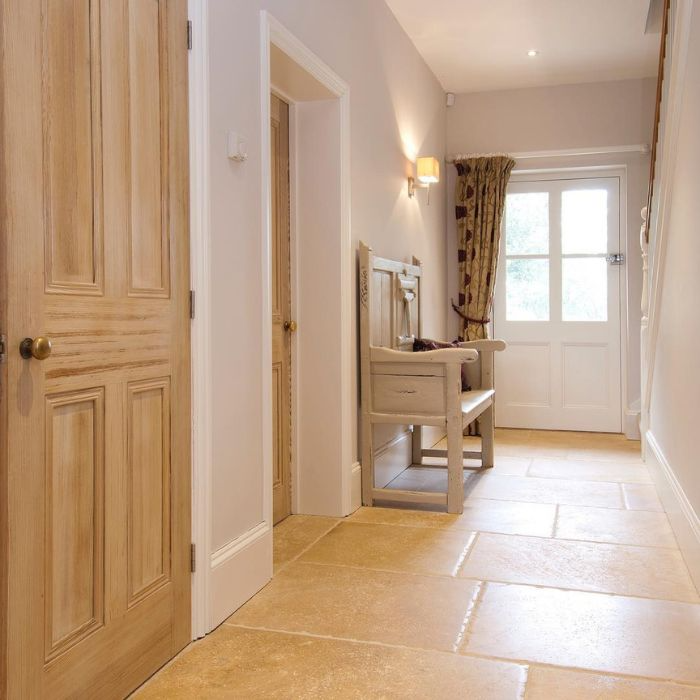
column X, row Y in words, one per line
column 290, row 326
column 39, row 348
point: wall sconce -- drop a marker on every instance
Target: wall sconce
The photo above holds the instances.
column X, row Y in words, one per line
column 427, row 172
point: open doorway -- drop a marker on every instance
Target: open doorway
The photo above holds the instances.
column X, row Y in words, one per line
column 310, row 470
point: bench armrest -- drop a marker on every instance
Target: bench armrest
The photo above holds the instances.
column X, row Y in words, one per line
column 484, row 345
column 444, row 355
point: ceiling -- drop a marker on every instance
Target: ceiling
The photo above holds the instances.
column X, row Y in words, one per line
column 478, row 45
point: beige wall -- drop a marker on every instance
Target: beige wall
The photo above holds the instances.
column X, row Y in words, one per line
column 397, row 112
column 561, row 118
column 674, row 412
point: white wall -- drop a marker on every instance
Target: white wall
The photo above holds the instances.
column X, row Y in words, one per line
column 397, row 113
column 674, row 412
column 560, row 118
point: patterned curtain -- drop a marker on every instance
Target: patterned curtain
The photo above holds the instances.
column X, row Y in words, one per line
column 480, row 197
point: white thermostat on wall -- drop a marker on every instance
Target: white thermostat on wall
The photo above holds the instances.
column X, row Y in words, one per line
column 237, row 147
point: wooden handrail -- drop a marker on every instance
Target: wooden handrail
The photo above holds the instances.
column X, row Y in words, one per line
column 657, row 112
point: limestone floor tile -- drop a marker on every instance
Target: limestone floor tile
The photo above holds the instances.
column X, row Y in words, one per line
column 503, row 464
column 420, row 479
column 510, row 465
column 427, row 612
column 593, row 470
column 615, row 634
column 589, row 566
column 239, row 663
column 295, row 533
column 638, row 527
column 418, row 550
column 641, row 497
column 548, row 683
column 537, row 490
column 510, row 517
column 607, row 453
column 513, row 434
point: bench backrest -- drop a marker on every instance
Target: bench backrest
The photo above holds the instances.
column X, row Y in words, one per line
column 389, row 301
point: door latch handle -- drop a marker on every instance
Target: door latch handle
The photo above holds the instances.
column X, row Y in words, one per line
column 615, row 259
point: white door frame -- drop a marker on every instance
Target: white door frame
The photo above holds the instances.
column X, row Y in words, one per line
column 575, row 173
column 200, row 237
column 271, row 31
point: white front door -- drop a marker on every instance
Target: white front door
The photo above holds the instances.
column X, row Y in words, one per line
column 557, row 305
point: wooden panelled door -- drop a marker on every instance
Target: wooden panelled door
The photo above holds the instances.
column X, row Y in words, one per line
column 282, row 325
column 96, row 435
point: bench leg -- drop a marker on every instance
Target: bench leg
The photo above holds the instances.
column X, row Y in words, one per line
column 367, row 462
column 455, row 444
column 487, row 437
column 455, row 467
column 417, row 445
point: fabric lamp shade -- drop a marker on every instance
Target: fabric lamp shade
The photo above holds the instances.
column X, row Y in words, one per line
column 428, row 170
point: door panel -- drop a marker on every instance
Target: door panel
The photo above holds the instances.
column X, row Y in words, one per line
column 557, row 304
column 71, row 133
column 74, row 533
column 281, row 308
column 148, row 438
column 96, row 437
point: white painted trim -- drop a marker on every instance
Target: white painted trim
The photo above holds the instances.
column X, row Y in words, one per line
column 356, row 486
column 295, row 306
column 677, row 54
column 561, row 153
column 200, row 233
column 631, row 424
column 238, row 570
column 223, row 554
column 602, row 171
column 684, row 520
column 266, row 268
column 272, row 31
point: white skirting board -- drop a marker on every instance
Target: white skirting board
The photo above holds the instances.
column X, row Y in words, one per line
column 392, row 458
column 684, row 520
column 355, row 487
column 631, row 424
column 238, row 571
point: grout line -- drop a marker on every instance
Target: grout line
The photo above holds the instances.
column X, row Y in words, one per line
column 555, row 524
column 625, row 502
column 472, row 579
column 550, row 503
column 475, row 530
column 467, row 654
column 525, row 679
column 465, row 631
column 303, row 551
column 471, row 543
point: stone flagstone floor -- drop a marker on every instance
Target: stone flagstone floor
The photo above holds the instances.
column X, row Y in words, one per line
column 562, row 579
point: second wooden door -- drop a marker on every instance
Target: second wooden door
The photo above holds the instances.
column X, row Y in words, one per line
column 282, row 325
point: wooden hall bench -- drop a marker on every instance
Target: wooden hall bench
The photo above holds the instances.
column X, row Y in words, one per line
column 403, row 387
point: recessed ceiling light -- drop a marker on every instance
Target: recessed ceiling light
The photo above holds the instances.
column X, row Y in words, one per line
column 533, row 52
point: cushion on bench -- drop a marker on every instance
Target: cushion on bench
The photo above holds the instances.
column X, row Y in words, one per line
column 426, row 344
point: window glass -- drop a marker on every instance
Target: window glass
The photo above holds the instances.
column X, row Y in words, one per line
column 527, row 223
column 527, row 289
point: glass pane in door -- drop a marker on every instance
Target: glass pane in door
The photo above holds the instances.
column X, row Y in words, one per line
column 584, row 221
column 584, row 289
column 527, row 289
column 527, row 223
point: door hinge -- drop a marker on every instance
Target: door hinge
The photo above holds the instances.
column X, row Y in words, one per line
column 189, row 35
column 3, row 348
column 191, row 303
column 193, row 561
column 615, row 259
